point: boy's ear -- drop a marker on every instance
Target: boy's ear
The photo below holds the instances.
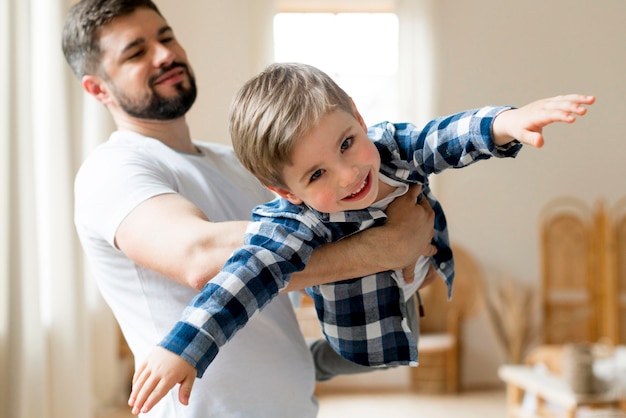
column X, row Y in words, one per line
column 94, row 86
column 286, row 194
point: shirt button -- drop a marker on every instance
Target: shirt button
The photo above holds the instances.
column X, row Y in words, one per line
column 442, row 266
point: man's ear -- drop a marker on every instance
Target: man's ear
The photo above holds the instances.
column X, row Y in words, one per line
column 93, row 85
column 286, row 194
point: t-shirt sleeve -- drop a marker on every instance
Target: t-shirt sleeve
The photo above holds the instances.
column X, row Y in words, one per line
column 110, row 185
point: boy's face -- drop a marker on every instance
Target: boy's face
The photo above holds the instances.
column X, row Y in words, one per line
column 334, row 166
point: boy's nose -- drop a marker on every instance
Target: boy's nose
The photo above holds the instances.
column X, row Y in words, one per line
column 348, row 176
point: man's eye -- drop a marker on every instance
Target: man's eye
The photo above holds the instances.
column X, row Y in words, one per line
column 167, row 39
column 346, row 143
column 316, row 175
column 135, row 54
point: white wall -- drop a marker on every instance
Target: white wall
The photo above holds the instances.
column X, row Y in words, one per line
column 224, row 41
column 487, row 52
column 513, row 52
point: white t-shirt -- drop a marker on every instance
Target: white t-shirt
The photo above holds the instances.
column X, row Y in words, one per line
column 266, row 370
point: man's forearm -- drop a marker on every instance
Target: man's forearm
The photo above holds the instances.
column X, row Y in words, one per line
column 336, row 261
column 395, row 245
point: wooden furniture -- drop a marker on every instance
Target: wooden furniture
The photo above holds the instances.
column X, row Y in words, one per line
column 549, row 390
column 439, row 342
column 583, row 272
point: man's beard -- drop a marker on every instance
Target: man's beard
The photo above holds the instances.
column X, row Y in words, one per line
column 156, row 107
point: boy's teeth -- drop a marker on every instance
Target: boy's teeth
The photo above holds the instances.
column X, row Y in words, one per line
column 360, row 188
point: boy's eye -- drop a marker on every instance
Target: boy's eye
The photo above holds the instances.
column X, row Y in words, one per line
column 316, row 175
column 346, row 143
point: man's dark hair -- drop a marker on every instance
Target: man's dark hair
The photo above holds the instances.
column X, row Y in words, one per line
column 80, row 42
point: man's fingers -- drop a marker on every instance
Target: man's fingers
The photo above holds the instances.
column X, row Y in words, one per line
column 409, row 273
column 430, row 251
column 415, row 191
column 431, row 219
column 430, row 277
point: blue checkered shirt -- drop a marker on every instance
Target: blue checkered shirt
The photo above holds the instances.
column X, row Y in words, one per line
column 364, row 318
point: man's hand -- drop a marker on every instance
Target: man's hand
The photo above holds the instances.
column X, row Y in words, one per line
column 159, row 373
column 405, row 215
column 431, row 276
column 396, row 245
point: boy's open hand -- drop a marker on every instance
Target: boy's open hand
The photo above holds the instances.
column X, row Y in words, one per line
column 526, row 123
column 159, row 372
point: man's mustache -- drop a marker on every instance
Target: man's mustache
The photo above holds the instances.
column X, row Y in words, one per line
column 169, row 68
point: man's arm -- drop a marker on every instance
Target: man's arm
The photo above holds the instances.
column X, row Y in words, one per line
column 395, row 245
column 170, row 235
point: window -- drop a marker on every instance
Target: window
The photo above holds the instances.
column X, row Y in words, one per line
column 358, row 50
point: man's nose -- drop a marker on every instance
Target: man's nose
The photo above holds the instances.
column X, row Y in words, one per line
column 163, row 55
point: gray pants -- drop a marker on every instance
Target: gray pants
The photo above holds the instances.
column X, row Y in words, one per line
column 329, row 364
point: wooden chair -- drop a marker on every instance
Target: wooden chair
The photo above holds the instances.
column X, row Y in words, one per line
column 584, row 271
column 439, row 342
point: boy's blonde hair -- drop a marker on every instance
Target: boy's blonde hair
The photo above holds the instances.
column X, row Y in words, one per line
column 275, row 109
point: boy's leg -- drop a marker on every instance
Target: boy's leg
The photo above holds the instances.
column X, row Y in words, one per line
column 329, row 364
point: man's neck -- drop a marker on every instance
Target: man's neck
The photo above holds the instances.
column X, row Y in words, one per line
column 173, row 133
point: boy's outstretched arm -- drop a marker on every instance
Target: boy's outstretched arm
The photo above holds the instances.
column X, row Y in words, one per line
column 159, row 373
column 526, row 123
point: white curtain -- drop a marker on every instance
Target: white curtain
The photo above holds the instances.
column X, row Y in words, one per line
column 416, row 66
column 57, row 340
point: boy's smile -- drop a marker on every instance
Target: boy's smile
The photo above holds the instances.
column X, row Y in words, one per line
column 363, row 190
column 334, row 167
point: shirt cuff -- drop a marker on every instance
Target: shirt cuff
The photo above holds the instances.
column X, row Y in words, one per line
column 194, row 346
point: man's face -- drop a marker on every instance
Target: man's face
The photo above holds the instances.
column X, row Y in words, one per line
column 145, row 68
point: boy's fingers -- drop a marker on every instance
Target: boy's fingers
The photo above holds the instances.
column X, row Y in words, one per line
column 155, row 396
column 533, row 138
column 139, row 372
column 184, row 391
column 153, row 391
column 139, row 380
column 142, row 391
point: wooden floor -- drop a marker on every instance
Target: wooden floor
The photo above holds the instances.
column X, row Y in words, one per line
column 481, row 404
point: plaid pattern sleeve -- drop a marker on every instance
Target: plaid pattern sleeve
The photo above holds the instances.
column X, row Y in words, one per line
column 250, row 279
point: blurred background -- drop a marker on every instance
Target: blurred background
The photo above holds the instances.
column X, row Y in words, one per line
column 411, row 60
